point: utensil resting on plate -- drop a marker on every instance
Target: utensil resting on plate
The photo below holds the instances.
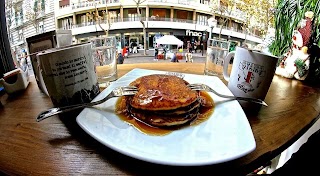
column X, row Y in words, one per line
column 117, row 92
column 130, row 90
column 209, row 89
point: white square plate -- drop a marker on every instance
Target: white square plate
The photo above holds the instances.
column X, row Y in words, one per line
column 225, row 136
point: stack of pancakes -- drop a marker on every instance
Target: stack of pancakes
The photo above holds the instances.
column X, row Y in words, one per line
column 163, row 101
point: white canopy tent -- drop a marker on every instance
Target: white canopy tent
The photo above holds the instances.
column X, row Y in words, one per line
column 169, row 40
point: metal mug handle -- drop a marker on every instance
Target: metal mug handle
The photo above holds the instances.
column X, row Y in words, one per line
column 227, row 59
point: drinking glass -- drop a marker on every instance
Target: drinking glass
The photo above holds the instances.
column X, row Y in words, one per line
column 104, row 55
column 217, row 50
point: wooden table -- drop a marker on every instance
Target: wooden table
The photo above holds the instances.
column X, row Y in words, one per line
column 58, row 146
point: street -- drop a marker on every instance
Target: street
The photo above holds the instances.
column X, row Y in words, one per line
column 140, row 58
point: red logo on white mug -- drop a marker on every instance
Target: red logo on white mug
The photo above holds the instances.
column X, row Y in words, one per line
column 248, row 71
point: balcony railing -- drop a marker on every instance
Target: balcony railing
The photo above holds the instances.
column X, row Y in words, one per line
column 184, row 2
column 89, row 4
column 237, row 14
column 103, row 2
column 137, row 19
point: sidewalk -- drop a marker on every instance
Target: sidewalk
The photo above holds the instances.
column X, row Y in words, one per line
column 141, row 58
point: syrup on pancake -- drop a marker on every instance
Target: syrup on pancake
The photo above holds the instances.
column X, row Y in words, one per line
column 165, row 102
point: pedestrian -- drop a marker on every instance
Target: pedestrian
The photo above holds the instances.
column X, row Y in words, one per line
column 174, row 57
column 189, row 46
column 188, row 56
column 134, row 46
column 156, row 52
column 120, row 59
column 165, row 52
column 124, row 52
column 195, row 45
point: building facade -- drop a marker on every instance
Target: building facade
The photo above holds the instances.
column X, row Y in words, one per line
column 186, row 19
column 26, row 18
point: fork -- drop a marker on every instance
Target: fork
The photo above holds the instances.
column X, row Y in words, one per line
column 117, row 92
column 209, row 89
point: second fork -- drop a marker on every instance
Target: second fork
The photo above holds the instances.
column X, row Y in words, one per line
column 117, row 92
column 209, row 89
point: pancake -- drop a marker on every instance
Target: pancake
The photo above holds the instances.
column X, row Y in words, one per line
column 163, row 101
column 165, row 120
column 175, row 112
column 162, row 92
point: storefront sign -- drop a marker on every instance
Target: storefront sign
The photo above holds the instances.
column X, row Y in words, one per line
column 193, row 33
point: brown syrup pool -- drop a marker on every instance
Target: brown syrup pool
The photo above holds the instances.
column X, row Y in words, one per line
column 206, row 109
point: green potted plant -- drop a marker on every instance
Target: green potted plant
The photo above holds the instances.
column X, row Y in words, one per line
column 288, row 18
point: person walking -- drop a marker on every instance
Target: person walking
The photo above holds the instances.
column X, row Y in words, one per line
column 174, row 57
column 189, row 46
column 164, row 52
column 188, row 56
column 120, row 58
column 134, row 47
column 156, row 52
column 125, row 52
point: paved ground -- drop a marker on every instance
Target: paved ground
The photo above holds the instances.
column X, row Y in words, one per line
column 141, row 58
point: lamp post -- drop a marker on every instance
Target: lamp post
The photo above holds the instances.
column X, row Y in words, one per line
column 202, row 39
column 212, row 22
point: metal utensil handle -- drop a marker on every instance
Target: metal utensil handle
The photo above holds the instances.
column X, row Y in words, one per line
column 54, row 111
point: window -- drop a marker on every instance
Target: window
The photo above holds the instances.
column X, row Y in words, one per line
column 18, row 14
column 20, row 35
column 64, row 3
column 41, row 27
column 83, row 19
column 159, row 13
column 39, row 5
column 8, row 16
column 133, row 15
column 182, row 14
column 113, row 16
column 10, row 37
column 204, row 2
column 202, row 20
column 66, row 23
column 5, row 64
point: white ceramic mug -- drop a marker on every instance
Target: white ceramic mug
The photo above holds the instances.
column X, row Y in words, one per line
column 251, row 74
column 69, row 74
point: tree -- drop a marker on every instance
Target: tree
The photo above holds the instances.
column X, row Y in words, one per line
column 249, row 7
column 32, row 12
column 138, row 3
column 259, row 15
column 267, row 13
column 97, row 18
column 224, row 9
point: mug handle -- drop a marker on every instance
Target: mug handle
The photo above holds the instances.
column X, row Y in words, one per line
column 226, row 64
